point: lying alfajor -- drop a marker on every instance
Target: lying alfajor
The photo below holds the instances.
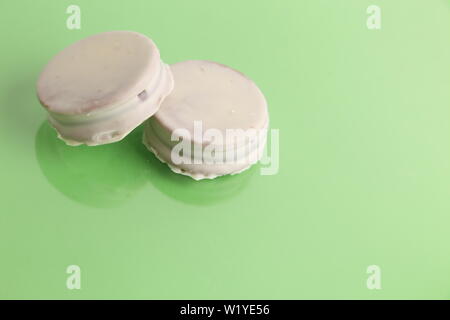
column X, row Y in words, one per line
column 213, row 123
column 102, row 87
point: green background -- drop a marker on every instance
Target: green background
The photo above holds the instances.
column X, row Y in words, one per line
column 364, row 120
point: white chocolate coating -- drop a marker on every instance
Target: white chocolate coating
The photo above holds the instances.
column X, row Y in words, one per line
column 221, row 98
column 102, row 87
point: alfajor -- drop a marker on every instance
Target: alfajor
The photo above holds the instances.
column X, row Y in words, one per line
column 102, row 87
column 213, row 123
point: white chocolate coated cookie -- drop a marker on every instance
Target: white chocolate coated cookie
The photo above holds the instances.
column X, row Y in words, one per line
column 210, row 102
column 102, row 87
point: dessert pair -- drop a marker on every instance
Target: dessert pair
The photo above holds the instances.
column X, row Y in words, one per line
column 202, row 118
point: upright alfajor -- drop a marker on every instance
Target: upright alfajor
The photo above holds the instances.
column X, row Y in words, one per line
column 102, row 87
column 213, row 123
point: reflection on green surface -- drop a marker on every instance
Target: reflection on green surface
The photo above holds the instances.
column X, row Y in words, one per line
column 186, row 189
column 101, row 176
column 107, row 176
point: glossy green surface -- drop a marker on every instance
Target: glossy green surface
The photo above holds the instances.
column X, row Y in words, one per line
column 364, row 120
